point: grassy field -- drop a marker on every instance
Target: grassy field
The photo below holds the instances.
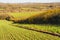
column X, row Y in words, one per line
column 43, row 27
column 23, row 15
column 29, row 22
column 10, row 32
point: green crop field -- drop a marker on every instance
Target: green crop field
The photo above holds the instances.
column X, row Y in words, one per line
column 33, row 21
column 9, row 31
column 17, row 31
column 43, row 27
column 23, row 15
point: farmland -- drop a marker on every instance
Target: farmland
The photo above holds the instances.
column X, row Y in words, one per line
column 36, row 21
column 10, row 32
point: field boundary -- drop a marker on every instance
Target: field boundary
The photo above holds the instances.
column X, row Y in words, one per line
column 46, row 32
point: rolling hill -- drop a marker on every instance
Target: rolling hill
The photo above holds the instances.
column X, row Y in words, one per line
column 30, row 21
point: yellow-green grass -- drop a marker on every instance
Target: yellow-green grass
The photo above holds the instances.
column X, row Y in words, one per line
column 9, row 32
column 23, row 15
column 43, row 27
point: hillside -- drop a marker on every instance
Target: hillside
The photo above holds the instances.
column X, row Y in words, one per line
column 31, row 12
column 16, row 11
column 9, row 31
column 30, row 21
column 51, row 16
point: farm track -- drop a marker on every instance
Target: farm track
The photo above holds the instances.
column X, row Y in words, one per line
column 46, row 32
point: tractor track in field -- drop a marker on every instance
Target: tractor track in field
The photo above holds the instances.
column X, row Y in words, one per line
column 46, row 32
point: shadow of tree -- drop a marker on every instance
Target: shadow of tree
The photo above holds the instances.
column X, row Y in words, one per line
column 53, row 20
